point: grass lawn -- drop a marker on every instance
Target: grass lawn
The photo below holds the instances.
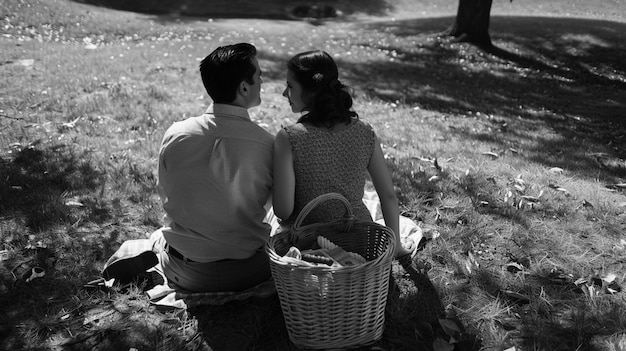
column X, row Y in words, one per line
column 512, row 161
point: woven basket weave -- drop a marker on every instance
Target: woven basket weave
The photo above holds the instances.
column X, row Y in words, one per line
column 333, row 307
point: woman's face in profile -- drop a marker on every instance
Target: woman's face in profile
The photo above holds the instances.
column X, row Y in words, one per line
column 294, row 93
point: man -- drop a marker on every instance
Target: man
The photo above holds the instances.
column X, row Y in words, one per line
column 214, row 179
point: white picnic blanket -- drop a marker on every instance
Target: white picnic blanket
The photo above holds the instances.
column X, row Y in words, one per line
column 168, row 295
column 407, row 226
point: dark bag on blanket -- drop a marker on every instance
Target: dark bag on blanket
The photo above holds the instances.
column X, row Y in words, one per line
column 133, row 258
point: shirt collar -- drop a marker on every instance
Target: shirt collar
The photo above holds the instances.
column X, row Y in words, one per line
column 225, row 110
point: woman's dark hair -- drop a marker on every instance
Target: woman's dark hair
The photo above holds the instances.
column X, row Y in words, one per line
column 329, row 101
column 225, row 68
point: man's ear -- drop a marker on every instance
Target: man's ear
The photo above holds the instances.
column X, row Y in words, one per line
column 241, row 94
column 243, row 88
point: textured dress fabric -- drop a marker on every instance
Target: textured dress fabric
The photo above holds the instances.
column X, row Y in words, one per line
column 328, row 161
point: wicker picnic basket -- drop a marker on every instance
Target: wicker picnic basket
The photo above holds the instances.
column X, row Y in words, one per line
column 333, row 307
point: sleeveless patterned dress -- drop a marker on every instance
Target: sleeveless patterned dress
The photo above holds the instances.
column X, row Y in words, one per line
column 330, row 161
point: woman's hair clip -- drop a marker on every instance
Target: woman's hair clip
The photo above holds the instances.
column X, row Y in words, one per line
column 318, row 77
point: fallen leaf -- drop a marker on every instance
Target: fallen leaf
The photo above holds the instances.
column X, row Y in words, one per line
column 436, row 164
column 450, row 328
column 557, row 188
column 101, row 316
column 72, row 203
column 609, row 278
column 517, row 297
column 508, row 195
column 424, row 159
column 591, row 291
column 596, row 280
column 514, row 267
column 433, row 178
column 558, row 276
column 613, row 288
column 492, row 154
column 530, row 198
column 435, row 234
column 580, row 281
column 472, row 259
column 556, row 170
column 612, row 291
column 25, row 62
column 71, row 124
column 441, row 345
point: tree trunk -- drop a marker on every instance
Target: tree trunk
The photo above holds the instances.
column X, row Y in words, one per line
column 472, row 22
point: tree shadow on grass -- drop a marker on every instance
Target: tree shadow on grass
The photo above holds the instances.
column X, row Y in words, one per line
column 41, row 190
column 41, row 204
column 567, row 76
column 255, row 323
column 414, row 311
column 35, row 180
column 573, row 321
column 49, row 311
column 267, row 9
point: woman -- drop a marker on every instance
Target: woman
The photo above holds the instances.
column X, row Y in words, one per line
column 329, row 150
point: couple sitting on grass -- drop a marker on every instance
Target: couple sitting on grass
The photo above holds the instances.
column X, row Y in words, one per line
column 223, row 179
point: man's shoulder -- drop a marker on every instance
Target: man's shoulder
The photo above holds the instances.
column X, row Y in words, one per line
column 247, row 130
column 191, row 125
column 243, row 130
column 265, row 136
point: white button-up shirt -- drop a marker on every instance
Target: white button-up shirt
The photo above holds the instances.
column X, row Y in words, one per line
column 215, row 179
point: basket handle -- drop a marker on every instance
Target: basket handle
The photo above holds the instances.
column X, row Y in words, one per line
column 318, row 200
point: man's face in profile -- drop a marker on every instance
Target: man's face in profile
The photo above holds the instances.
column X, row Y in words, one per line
column 254, row 97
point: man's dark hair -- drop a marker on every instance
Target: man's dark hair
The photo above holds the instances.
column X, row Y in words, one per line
column 225, row 68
